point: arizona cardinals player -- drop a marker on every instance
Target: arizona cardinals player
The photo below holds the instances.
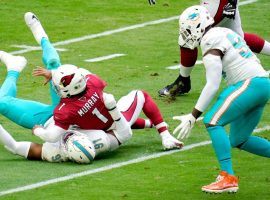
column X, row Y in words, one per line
column 83, row 102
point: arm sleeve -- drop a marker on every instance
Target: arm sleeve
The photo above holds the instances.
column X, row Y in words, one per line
column 49, row 134
column 122, row 129
column 213, row 66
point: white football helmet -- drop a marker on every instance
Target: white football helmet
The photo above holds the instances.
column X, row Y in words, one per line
column 68, row 80
column 79, row 148
column 193, row 22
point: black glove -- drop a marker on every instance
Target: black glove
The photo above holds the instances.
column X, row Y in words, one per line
column 229, row 9
column 151, row 2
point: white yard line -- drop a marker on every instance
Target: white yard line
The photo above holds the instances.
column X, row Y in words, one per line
column 199, row 62
column 102, row 58
column 110, row 32
column 101, row 169
column 112, row 166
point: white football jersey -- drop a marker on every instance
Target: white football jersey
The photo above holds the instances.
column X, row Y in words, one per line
column 239, row 62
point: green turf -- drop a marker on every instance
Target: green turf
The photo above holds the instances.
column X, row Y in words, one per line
column 149, row 50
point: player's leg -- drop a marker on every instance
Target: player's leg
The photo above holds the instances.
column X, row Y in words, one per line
column 141, row 123
column 240, row 134
column 182, row 84
column 15, row 65
column 136, row 101
column 257, row 44
column 234, row 102
column 22, row 112
column 50, row 56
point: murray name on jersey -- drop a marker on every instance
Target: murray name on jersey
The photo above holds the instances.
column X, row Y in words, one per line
column 89, row 103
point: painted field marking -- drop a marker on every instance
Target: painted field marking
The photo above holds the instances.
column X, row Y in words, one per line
column 101, row 169
column 199, row 62
column 112, row 166
column 110, row 32
column 98, row 59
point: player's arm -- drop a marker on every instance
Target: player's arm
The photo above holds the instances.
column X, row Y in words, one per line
column 51, row 133
column 29, row 150
column 213, row 66
column 123, row 130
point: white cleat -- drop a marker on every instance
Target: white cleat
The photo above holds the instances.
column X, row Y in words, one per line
column 35, row 26
column 13, row 63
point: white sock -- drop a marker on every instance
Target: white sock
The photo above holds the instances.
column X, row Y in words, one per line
column 185, row 71
column 266, row 48
column 19, row 148
column 148, row 123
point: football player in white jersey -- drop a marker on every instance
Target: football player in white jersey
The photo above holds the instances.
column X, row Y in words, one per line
column 240, row 105
column 225, row 14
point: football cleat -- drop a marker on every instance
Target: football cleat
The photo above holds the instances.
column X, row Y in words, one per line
column 169, row 90
column 35, row 26
column 13, row 63
column 224, row 183
column 169, row 142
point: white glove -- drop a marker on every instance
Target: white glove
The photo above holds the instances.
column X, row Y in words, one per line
column 187, row 123
column 109, row 101
column 169, row 142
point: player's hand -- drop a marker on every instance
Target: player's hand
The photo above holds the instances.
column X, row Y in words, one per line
column 34, row 128
column 40, row 71
column 109, row 101
column 169, row 142
column 229, row 9
column 187, row 122
column 151, row 2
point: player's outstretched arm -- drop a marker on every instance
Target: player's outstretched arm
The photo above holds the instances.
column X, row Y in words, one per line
column 17, row 148
column 213, row 66
column 123, row 130
column 52, row 133
column 40, row 71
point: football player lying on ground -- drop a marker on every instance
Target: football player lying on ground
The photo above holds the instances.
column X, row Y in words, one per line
column 80, row 146
column 82, row 99
column 29, row 113
column 241, row 103
column 225, row 14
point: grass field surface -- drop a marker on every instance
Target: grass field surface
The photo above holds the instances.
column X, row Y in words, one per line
column 84, row 30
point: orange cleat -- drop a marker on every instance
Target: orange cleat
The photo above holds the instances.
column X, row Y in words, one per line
column 224, row 183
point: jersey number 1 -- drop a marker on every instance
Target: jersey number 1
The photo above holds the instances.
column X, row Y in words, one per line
column 99, row 115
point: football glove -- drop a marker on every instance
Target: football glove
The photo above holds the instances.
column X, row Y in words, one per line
column 169, row 142
column 151, row 2
column 187, row 122
column 229, row 9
